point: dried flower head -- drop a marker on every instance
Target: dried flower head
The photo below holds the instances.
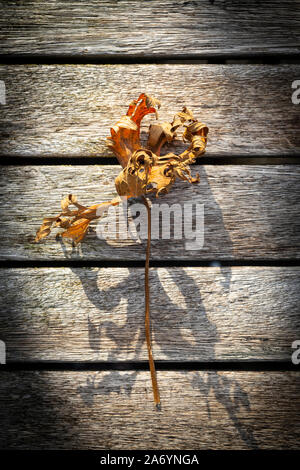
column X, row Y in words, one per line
column 144, row 169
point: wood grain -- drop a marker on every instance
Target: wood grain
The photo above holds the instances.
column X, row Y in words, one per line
column 114, row 410
column 250, row 212
column 198, row 314
column 180, row 28
column 58, row 110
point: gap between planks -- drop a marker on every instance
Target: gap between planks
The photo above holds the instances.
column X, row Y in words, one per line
column 192, row 59
column 6, row 160
column 241, row 366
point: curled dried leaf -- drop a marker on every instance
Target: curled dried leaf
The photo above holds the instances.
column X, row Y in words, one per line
column 45, row 228
column 77, row 230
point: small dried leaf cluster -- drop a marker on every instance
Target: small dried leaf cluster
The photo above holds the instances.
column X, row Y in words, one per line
column 75, row 222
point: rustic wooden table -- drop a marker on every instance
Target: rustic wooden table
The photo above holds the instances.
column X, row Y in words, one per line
column 224, row 317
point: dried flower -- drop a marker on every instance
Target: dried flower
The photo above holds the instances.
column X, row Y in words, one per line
column 144, row 171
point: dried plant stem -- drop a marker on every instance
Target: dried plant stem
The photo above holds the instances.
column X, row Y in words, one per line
column 147, row 312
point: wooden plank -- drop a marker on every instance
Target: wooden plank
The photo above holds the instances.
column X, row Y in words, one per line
column 250, row 212
column 153, row 28
column 58, row 110
column 198, row 314
column 114, row 410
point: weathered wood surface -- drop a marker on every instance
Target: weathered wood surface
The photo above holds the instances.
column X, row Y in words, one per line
column 198, row 314
column 250, row 212
column 58, row 110
column 154, row 28
column 114, row 410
